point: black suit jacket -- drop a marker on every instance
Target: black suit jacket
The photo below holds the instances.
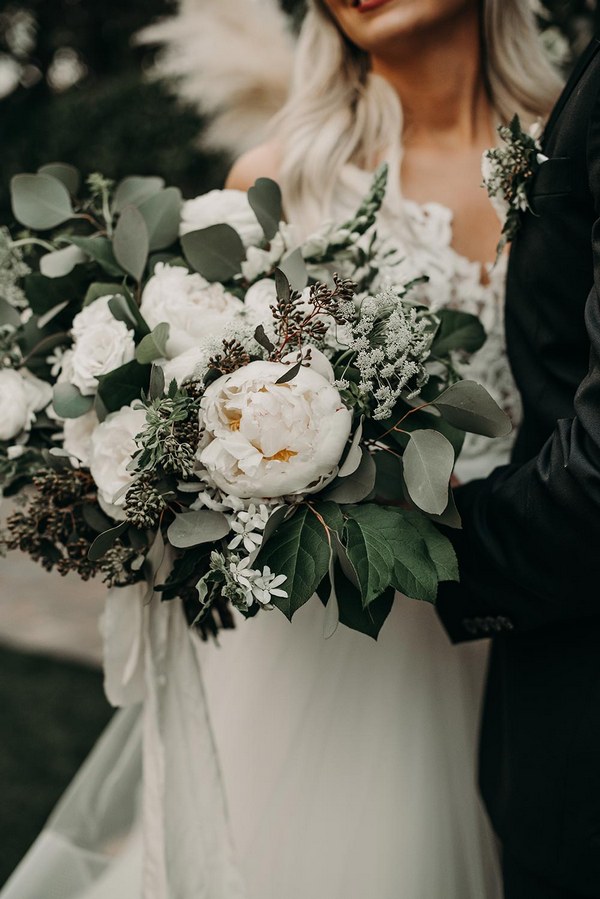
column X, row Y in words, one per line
column 529, row 551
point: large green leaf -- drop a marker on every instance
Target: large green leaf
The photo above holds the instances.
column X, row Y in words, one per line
column 44, row 294
column 216, row 252
column 389, row 482
column 125, row 309
column 193, row 528
column 106, row 541
column 154, row 345
column 469, row 406
column 414, row 572
column 265, row 199
column 123, row 385
column 135, row 189
column 162, row 214
column 294, row 268
column 300, row 550
column 441, row 552
column 357, row 486
column 369, row 536
column 67, row 174
column 101, row 251
column 100, row 289
column 428, row 462
column 353, row 614
column 40, row 202
column 131, row 243
column 457, row 331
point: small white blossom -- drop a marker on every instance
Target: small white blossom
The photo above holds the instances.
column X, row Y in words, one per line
column 248, row 527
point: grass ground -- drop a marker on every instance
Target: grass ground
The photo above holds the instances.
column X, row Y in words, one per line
column 51, row 713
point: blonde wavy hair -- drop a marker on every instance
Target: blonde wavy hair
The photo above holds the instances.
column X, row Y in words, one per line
column 338, row 112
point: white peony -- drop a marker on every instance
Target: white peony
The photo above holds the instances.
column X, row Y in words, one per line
column 78, row 433
column 191, row 364
column 112, row 447
column 192, row 307
column 100, row 344
column 218, row 207
column 269, row 440
column 21, row 396
column 259, row 298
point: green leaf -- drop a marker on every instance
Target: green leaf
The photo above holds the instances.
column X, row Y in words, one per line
column 154, row 345
column 354, row 454
column 389, row 480
column 216, row 252
column 193, row 528
column 40, row 202
column 95, row 518
column 67, row 174
column 450, row 517
column 275, row 519
column 414, row 572
column 101, row 251
column 99, row 289
column 332, row 608
column 123, row 385
column 294, row 268
column 265, row 199
column 457, row 331
column 369, row 535
column 357, row 486
column 134, row 190
column 8, row 314
column 130, row 242
column 262, row 339
column 282, row 286
column 367, row 621
column 125, row 309
column 157, row 382
column 68, row 401
column 290, row 374
column 428, row 462
column 301, row 552
column 106, row 541
column 162, row 214
column 440, row 549
column 59, row 263
column 469, row 406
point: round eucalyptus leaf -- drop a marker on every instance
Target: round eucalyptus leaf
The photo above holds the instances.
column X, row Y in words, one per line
column 162, row 214
column 67, row 174
column 40, row 202
column 216, row 252
column 193, row 528
column 265, row 199
column 68, row 402
column 428, row 462
column 135, row 189
column 294, row 268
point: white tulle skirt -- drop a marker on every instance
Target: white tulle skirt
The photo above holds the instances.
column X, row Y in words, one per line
column 347, row 767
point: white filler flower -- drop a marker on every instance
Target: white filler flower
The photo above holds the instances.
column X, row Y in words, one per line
column 112, row 447
column 101, row 343
column 192, row 307
column 21, row 396
column 219, row 207
column 267, row 439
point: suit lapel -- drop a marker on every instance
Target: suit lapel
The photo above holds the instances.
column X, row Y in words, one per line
column 584, row 61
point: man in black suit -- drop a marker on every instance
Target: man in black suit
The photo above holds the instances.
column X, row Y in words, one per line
column 529, row 551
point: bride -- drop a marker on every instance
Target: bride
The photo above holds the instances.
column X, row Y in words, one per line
column 348, row 766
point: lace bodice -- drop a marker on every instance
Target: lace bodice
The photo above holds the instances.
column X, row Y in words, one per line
column 458, row 283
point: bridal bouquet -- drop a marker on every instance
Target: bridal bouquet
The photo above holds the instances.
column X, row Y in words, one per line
column 281, row 418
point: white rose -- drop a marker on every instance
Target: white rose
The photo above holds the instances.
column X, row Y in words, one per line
column 259, row 298
column 112, row 447
column 78, row 432
column 263, row 439
column 190, row 364
column 192, row 307
column 219, row 207
column 21, row 396
column 100, row 344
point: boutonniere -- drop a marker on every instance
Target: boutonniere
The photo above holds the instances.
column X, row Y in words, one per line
column 508, row 172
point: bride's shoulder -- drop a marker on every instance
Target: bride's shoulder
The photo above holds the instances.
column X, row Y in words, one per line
column 263, row 161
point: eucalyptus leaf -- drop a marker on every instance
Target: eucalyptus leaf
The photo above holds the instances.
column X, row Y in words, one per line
column 135, row 189
column 282, row 285
column 265, row 199
column 300, row 552
column 61, row 262
column 125, row 309
column 154, row 345
column 162, row 214
column 101, row 251
column 450, row 517
column 469, row 406
column 457, row 331
column 294, row 268
column 99, row 289
column 357, row 486
column 106, row 541
column 354, row 454
column 130, row 242
column 68, row 402
column 216, row 252
column 193, row 528
column 157, row 382
column 8, row 314
column 428, row 462
column 261, row 338
column 95, row 518
column 40, row 202
column 67, row 174
column 290, row 374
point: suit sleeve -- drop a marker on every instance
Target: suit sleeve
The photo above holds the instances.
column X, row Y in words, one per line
column 529, row 551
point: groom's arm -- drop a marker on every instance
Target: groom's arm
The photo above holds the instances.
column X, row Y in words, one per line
column 529, row 551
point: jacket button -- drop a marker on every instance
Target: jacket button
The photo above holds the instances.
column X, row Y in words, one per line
column 505, row 623
column 469, row 625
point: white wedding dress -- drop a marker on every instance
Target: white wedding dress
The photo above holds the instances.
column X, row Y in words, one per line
column 281, row 765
